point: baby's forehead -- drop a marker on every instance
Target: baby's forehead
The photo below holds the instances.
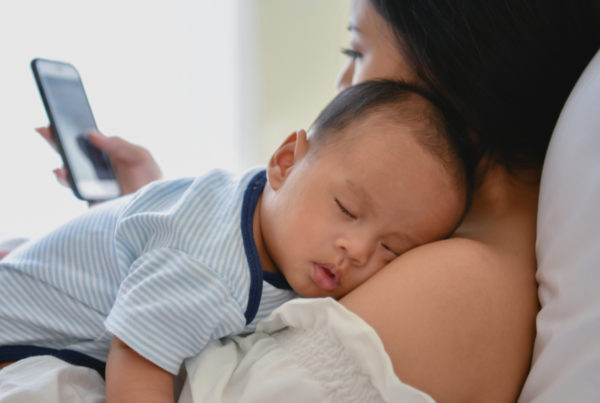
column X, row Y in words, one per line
column 378, row 132
column 366, row 126
column 389, row 153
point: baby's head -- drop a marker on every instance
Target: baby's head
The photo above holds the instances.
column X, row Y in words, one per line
column 382, row 170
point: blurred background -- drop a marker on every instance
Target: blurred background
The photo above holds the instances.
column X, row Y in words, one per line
column 200, row 83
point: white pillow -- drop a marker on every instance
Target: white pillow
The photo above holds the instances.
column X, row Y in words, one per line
column 566, row 358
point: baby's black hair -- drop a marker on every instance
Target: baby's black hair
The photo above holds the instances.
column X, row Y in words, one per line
column 434, row 125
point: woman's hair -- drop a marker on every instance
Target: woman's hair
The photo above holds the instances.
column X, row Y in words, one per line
column 507, row 66
column 434, row 125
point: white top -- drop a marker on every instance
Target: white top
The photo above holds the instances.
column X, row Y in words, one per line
column 308, row 350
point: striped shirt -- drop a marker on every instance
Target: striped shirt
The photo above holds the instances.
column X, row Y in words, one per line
column 165, row 270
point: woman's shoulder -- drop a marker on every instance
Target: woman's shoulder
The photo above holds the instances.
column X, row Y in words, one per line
column 457, row 322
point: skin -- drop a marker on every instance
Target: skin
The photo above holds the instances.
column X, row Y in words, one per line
column 331, row 218
column 133, row 165
column 132, row 378
column 373, row 50
column 457, row 316
column 353, row 212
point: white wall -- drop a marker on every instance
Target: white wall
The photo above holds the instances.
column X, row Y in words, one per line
column 200, row 83
column 298, row 56
column 159, row 73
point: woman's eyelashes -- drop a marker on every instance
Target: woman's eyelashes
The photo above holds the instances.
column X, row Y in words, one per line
column 351, row 53
column 344, row 210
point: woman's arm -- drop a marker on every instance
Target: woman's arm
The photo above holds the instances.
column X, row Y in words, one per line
column 457, row 322
column 131, row 378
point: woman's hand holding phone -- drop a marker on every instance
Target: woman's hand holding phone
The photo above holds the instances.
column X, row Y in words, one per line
column 134, row 166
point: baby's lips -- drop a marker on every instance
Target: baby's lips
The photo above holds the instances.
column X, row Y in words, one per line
column 326, row 277
column 337, row 273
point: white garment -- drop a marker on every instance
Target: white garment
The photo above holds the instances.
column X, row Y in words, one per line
column 48, row 379
column 311, row 350
column 308, row 350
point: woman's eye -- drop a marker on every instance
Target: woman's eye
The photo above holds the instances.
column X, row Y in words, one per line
column 351, row 53
column 344, row 210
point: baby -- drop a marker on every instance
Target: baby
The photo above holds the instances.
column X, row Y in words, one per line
column 146, row 280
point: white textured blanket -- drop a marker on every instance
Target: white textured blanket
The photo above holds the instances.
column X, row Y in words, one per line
column 308, row 350
column 311, row 350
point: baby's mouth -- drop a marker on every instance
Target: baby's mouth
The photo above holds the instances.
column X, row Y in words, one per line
column 326, row 277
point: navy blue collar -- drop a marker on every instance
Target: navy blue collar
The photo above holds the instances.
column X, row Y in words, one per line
column 18, row 352
column 257, row 274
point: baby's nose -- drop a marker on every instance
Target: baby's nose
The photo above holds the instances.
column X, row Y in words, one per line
column 358, row 250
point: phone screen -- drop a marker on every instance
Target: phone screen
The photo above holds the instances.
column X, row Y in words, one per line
column 71, row 117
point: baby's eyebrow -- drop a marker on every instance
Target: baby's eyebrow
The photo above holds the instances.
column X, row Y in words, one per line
column 360, row 192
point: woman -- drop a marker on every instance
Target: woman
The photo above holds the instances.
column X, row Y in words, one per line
column 457, row 317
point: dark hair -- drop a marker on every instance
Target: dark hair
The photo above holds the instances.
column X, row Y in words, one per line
column 434, row 125
column 507, row 66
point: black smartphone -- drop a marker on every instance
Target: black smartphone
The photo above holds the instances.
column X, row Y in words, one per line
column 89, row 171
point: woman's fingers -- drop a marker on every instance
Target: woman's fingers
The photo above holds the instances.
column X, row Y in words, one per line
column 61, row 176
column 47, row 135
column 59, row 173
column 133, row 165
column 119, row 149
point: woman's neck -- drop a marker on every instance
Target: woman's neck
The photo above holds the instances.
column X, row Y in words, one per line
column 502, row 201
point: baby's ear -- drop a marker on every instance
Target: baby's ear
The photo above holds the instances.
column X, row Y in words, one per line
column 288, row 154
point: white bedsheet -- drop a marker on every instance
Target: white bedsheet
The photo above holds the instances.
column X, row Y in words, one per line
column 308, row 350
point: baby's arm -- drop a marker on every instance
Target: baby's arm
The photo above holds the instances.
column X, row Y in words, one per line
column 132, row 378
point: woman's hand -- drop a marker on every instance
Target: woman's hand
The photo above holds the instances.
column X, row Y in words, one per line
column 133, row 165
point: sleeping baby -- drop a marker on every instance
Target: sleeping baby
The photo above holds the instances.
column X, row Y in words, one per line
column 142, row 282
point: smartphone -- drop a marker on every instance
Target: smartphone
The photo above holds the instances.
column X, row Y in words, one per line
column 89, row 171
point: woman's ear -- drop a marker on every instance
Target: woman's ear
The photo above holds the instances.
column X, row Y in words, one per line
column 288, row 154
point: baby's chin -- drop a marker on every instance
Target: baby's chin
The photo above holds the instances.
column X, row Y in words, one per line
column 314, row 292
column 307, row 288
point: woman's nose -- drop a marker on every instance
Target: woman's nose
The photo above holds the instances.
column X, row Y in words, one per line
column 344, row 79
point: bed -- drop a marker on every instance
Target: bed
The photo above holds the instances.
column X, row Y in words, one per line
column 348, row 362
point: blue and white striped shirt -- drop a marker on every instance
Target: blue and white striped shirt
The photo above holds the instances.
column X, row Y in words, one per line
column 166, row 270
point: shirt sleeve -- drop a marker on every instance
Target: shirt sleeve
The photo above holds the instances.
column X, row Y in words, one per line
column 170, row 305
